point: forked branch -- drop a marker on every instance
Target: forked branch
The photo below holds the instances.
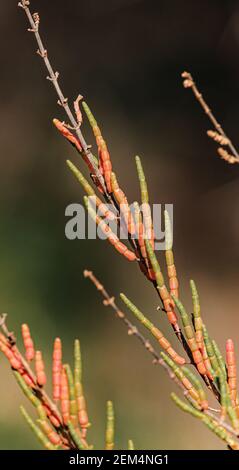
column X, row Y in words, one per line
column 34, row 20
column 218, row 135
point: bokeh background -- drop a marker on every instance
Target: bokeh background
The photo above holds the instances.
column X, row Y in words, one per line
column 125, row 57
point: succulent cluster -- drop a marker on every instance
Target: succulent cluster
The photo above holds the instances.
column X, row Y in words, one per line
column 62, row 421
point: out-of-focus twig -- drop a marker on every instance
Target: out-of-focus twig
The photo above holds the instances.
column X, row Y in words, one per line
column 219, row 134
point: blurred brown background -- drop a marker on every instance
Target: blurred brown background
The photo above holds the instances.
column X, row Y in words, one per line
column 126, row 58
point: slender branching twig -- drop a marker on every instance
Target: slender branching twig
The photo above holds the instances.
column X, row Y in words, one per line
column 132, row 329
column 157, row 359
column 201, row 351
column 219, row 134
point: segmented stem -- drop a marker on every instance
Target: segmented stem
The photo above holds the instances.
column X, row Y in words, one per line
column 72, row 397
column 110, row 423
column 231, row 369
column 38, row 433
column 191, row 341
column 197, row 320
column 188, row 82
column 110, row 235
column 130, row 445
column 210, row 350
column 179, row 372
column 162, row 289
column 80, row 398
column 164, row 343
column 198, row 386
column 105, row 165
column 171, row 268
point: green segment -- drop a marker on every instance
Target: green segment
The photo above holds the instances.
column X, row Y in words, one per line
column 195, row 382
column 185, row 318
column 168, row 232
column 170, row 363
column 155, row 264
column 209, row 422
column 138, row 314
column 210, row 350
column 225, row 399
column 89, row 207
column 137, row 217
column 142, row 181
column 182, row 373
column 185, row 407
column 28, row 392
column 232, row 416
column 75, row 436
column 195, row 298
column 78, row 362
column 219, row 357
column 130, row 445
column 218, row 430
column 89, row 115
column 73, row 404
column 223, row 389
column 84, row 183
column 231, row 410
column 114, row 181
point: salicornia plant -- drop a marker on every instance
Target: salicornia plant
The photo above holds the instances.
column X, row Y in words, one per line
column 62, row 421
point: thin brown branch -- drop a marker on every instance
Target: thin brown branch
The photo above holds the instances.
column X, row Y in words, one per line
column 132, row 329
column 189, row 82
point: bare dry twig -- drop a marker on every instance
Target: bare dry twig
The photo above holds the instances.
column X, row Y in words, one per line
column 34, row 20
column 219, row 134
column 133, row 330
